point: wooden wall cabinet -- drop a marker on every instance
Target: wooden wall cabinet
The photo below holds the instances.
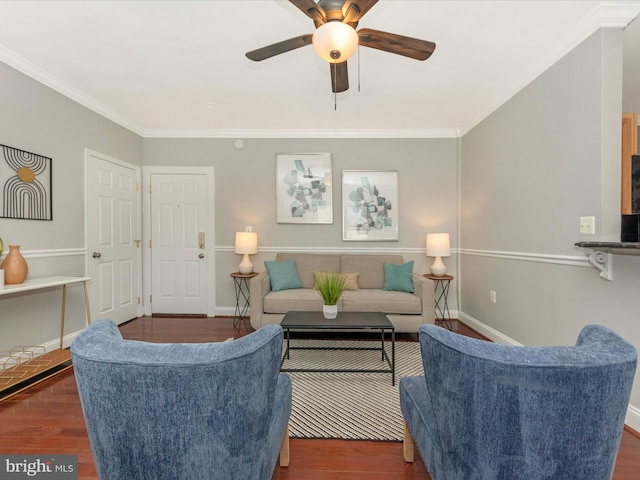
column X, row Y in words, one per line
column 629, row 148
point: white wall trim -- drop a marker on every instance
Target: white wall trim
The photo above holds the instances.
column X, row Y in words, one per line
column 571, row 260
column 265, row 133
column 40, row 75
column 57, row 252
column 489, row 332
column 319, row 249
column 606, row 15
column 632, row 419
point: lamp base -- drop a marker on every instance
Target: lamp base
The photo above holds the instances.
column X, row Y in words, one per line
column 438, row 268
column 245, row 266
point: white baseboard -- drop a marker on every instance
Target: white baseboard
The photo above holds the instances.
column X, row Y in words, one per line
column 486, row 330
column 632, row 418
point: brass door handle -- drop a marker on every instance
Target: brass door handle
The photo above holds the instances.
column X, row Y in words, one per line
column 96, row 255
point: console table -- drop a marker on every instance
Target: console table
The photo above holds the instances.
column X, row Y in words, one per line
column 22, row 363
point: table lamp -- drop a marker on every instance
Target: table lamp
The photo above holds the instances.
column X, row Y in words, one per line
column 438, row 246
column 246, row 244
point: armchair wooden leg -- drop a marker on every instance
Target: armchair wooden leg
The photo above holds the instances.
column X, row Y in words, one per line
column 284, row 449
column 407, row 445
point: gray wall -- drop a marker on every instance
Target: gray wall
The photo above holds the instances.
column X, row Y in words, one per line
column 245, row 195
column 35, row 118
column 528, row 172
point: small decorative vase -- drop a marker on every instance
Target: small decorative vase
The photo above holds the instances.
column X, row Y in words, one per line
column 14, row 266
column 330, row 311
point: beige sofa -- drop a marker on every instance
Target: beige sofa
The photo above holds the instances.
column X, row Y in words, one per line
column 407, row 311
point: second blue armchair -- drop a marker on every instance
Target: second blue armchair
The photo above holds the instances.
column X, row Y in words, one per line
column 484, row 411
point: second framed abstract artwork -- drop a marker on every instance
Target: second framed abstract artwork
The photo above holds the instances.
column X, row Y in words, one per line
column 303, row 188
column 369, row 205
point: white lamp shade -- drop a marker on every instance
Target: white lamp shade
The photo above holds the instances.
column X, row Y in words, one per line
column 438, row 245
column 335, row 41
column 247, row 242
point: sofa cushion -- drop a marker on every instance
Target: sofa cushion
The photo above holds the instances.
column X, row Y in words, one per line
column 308, row 263
column 369, row 267
column 351, row 281
column 283, row 275
column 376, row 300
column 303, row 299
column 398, row 277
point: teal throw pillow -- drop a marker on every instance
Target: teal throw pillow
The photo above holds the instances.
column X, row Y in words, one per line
column 398, row 277
column 283, row 275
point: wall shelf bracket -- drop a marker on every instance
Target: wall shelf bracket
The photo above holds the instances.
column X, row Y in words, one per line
column 603, row 261
column 600, row 254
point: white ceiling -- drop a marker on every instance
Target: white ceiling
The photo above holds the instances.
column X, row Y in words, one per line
column 177, row 68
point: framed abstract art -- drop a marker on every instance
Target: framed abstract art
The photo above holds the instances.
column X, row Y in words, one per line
column 369, row 205
column 25, row 180
column 303, row 188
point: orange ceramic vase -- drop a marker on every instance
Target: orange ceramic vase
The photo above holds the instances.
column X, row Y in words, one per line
column 14, row 266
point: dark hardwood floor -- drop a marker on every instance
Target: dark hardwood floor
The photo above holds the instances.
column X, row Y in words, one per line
column 47, row 418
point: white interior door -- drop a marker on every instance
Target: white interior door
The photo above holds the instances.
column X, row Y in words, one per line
column 179, row 283
column 113, row 220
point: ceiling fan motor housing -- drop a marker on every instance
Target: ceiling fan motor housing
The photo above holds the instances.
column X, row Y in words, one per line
column 333, row 11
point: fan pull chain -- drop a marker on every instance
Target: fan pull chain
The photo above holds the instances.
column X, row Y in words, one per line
column 334, row 71
column 358, row 68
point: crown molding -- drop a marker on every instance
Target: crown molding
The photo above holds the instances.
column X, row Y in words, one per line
column 259, row 133
column 605, row 15
column 617, row 15
column 27, row 68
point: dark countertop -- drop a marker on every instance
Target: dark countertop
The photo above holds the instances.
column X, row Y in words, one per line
column 628, row 248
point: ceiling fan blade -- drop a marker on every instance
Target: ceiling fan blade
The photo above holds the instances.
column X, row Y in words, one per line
column 339, row 77
column 354, row 10
column 398, row 44
column 278, row 48
column 311, row 9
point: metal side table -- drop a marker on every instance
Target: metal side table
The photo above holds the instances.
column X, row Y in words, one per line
column 241, row 284
column 441, row 296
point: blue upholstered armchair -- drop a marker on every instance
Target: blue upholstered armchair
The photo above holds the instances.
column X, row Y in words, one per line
column 183, row 411
column 485, row 411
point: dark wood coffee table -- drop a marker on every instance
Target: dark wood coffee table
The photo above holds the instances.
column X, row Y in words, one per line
column 366, row 321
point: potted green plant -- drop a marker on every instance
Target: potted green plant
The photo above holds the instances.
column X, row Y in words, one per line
column 330, row 286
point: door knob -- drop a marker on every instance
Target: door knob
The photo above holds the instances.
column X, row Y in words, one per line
column 201, row 255
column 96, row 255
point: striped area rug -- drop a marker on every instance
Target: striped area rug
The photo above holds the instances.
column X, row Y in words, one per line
column 348, row 406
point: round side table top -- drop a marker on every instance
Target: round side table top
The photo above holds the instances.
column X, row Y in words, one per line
column 244, row 275
column 437, row 277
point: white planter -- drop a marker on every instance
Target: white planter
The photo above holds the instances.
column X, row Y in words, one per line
column 330, row 311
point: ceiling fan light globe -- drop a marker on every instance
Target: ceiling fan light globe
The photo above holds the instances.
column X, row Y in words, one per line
column 335, row 41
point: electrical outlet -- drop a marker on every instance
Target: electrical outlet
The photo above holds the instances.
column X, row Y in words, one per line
column 587, row 225
column 492, row 296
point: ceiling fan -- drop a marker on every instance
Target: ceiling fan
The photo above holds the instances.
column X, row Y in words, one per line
column 336, row 39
